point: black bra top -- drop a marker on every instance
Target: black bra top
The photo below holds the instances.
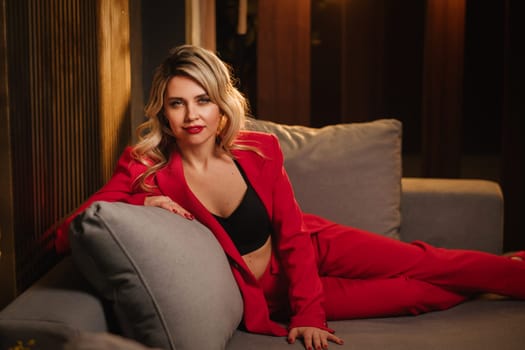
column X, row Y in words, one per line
column 249, row 225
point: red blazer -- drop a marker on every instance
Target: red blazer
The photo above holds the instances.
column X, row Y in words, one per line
column 292, row 229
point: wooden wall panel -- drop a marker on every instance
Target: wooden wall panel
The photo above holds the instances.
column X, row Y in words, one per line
column 363, row 54
column 443, row 87
column 327, row 65
column 283, row 61
column 114, row 78
column 7, row 254
column 52, row 86
column 66, row 113
column 513, row 130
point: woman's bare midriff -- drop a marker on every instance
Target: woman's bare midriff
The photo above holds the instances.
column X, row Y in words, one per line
column 259, row 259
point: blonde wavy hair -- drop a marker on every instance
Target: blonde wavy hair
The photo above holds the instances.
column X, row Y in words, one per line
column 156, row 140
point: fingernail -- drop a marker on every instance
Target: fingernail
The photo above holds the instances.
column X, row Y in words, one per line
column 189, row 216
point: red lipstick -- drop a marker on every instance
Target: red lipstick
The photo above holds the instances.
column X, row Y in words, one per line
column 194, row 129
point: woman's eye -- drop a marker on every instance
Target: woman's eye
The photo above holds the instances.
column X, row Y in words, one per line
column 204, row 100
column 175, row 103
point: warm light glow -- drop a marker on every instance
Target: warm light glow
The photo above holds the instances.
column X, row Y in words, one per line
column 200, row 23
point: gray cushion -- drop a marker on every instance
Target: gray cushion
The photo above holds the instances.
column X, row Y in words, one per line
column 349, row 173
column 168, row 279
column 103, row 341
column 54, row 309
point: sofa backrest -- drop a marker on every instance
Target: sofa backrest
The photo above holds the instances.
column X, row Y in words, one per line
column 348, row 173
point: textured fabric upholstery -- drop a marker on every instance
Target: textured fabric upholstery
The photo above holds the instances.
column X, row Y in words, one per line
column 59, row 306
column 348, row 173
column 167, row 278
column 453, row 213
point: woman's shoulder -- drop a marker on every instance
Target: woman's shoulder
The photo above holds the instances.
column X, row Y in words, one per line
column 259, row 145
column 265, row 143
column 262, row 139
column 130, row 160
column 134, row 156
column 128, row 155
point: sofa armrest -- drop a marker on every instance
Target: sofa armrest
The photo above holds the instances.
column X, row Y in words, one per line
column 453, row 213
column 56, row 308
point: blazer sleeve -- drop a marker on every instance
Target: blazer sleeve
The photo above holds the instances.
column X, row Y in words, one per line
column 120, row 188
column 296, row 252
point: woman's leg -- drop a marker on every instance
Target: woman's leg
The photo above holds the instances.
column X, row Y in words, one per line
column 348, row 299
column 355, row 254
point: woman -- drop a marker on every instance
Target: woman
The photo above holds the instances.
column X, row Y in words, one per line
column 194, row 159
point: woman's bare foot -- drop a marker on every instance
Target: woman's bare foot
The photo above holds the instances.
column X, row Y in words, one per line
column 492, row 296
column 518, row 256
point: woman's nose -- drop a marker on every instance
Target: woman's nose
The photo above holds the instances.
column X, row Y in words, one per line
column 191, row 114
column 190, row 117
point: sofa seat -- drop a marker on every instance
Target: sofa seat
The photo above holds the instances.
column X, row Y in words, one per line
column 476, row 324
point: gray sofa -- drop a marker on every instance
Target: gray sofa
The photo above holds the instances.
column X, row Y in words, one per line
column 349, row 173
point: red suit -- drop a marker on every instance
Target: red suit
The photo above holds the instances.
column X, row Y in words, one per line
column 322, row 269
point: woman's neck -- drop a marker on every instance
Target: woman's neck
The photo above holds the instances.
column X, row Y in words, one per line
column 199, row 158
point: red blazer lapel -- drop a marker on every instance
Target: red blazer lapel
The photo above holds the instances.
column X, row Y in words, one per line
column 172, row 183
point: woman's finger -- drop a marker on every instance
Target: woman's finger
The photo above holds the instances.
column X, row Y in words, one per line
column 324, row 341
column 316, row 340
column 335, row 339
column 177, row 209
column 307, row 338
column 167, row 203
column 292, row 335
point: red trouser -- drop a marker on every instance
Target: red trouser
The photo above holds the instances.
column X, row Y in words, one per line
column 368, row 275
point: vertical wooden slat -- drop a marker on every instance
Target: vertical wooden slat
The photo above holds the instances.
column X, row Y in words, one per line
column 136, row 65
column 513, row 126
column 7, row 253
column 114, row 80
column 363, row 60
column 327, row 44
column 19, row 77
column 283, row 61
column 443, row 87
column 200, row 23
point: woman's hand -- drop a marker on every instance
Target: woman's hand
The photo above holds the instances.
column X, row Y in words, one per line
column 165, row 202
column 314, row 338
